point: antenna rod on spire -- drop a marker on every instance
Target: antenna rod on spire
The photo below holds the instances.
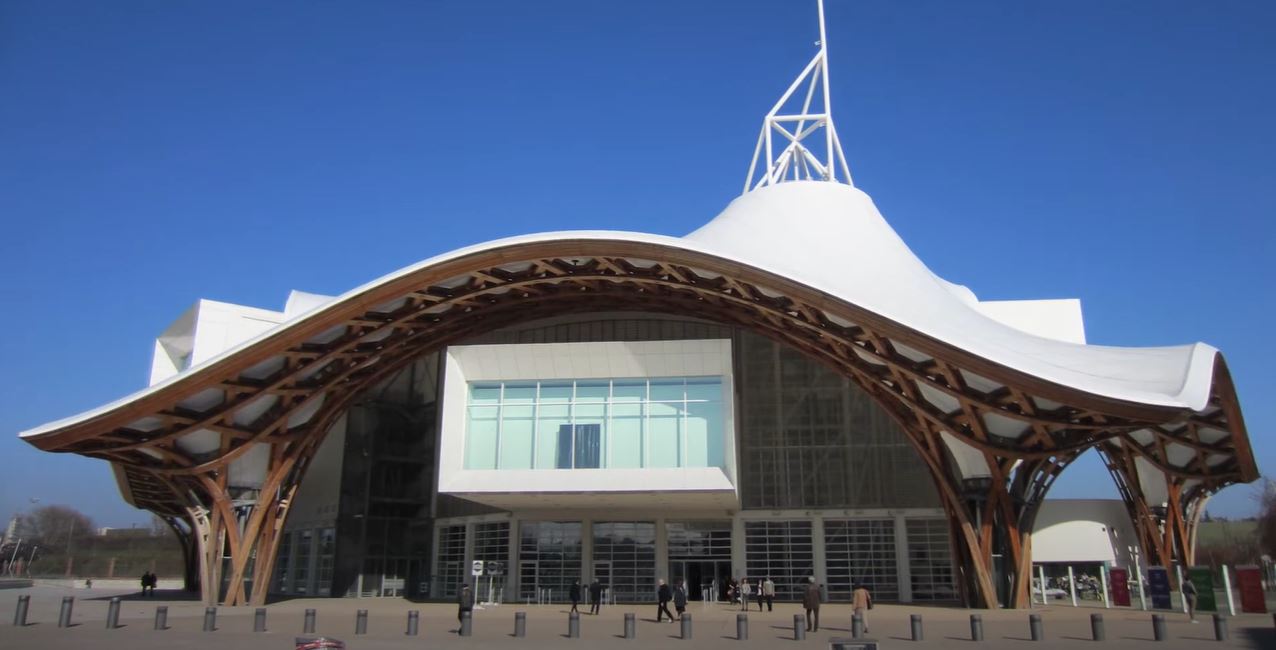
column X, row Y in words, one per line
column 796, row 161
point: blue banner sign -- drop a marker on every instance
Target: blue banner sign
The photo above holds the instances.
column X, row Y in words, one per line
column 1159, row 587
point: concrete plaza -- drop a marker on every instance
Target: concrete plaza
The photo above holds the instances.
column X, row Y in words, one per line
column 714, row 625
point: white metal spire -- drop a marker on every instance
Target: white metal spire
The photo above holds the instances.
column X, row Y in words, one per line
column 795, row 130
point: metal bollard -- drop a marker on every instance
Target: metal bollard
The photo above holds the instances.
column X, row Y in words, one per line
column 161, row 617
column 857, row 626
column 64, row 613
column 1158, row 627
column 799, row 628
column 1035, row 627
column 467, row 623
column 573, row 625
column 1220, row 627
column 631, row 628
column 414, row 622
column 259, row 620
column 361, row 622
column 210, row 619
column 741, row 627
column 976, row 627
column 916, row 622
column 686, row 627
column 1096, row 627
column 520, row 624
column 113, row 614
column 308, row 624
column 20, row 613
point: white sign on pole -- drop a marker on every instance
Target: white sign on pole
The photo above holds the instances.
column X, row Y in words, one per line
column 477, row 569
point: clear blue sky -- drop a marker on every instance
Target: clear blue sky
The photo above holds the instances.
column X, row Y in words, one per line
column 154, row 153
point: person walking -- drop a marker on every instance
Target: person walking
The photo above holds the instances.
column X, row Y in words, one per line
column 679, row 598
column 745, row 591
column 595, row 597
column 574, row 594
column 663, row 596
column 146, row 582
column 465, row 603
column 811, row 603
column 768, row 594
column 861, row 602
column 1188, row 588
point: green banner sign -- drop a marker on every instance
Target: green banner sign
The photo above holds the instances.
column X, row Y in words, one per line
column 1202, row 578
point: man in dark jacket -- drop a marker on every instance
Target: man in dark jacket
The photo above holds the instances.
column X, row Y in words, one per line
column 679, row 598
column 465, row 602
column 811, row 603
column 663, row 596
column 574, row 594
column 595, row 597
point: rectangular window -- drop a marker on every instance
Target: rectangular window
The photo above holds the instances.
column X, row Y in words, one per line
column 596, row 423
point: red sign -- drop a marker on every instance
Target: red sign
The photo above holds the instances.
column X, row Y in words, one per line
column 1249, row 581
column 1120, row 579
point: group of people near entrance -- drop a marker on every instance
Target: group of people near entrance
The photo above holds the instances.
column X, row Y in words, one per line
column 595, row 596
column 740, row 592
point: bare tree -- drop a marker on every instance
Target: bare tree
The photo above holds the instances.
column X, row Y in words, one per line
column 58, row 526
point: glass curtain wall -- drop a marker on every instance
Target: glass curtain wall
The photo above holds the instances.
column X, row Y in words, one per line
column 782, row 550
column 451, row 571
column 283, row 559
column 492, row 544
column 930, row 560
column 625, row 559
column 700, row 555
column 595, row 423
column 549, row 557
column 861, row 550
column 811, row 438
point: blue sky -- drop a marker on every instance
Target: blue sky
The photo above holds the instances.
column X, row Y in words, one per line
column 154, row 153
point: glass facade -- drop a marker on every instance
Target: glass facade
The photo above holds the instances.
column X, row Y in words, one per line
column 783, row 551
column 811, row 438
column 492, row 544
column 595, row 423
column 861, row 550
column 700, row 555
column 930, row 560
column 451, row 570
column 549, row 557
column 625, row 559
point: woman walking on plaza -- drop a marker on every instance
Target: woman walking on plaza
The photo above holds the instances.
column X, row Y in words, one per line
column 861, row 602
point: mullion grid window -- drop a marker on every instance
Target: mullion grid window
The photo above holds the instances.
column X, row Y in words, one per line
column 629, row 551
column 861, row 550
column 930, row 560
column 594, row 423
column 451, row 569
column 781, row 550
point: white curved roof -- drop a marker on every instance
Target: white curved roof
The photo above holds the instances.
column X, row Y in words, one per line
column 831, row 237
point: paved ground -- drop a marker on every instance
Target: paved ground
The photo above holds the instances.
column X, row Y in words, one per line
column 714, row 626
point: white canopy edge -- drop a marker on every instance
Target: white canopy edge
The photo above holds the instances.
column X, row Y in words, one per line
column 831, row 237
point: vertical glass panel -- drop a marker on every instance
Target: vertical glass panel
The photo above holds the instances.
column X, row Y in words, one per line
column 517, row 427
column 665, row 434
column 549, row 419
column 629, row 390
column 588, row 446
column 626, row 436
column 592, row 390
column 667, row 390
column 563, row 453
column 520, row 393
column 704, row 435
column 480, row 450
column 556, row 392
column 485, row 393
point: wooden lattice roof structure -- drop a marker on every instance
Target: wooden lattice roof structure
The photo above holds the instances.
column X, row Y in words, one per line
column 811, row 264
